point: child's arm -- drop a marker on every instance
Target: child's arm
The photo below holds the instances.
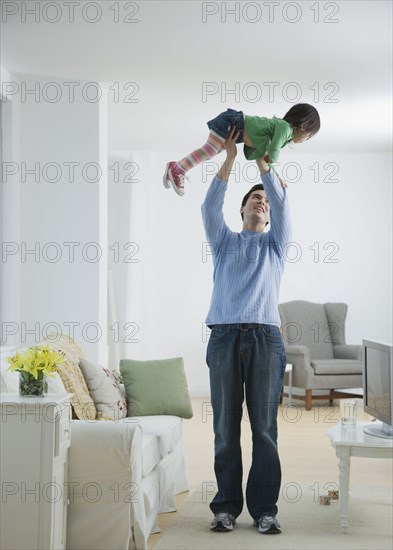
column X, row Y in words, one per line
column 281, row 136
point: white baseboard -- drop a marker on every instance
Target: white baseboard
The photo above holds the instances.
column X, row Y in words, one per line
column 204, row 391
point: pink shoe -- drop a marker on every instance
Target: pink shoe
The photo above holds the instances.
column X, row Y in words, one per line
column 177, row 177
column 166, row 181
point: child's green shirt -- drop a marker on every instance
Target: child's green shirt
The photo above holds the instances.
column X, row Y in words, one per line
column 268, row 135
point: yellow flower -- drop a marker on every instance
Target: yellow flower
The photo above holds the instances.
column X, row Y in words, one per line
column 35, row 360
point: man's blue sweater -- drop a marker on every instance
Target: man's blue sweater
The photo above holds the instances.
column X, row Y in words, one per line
column 248, row 265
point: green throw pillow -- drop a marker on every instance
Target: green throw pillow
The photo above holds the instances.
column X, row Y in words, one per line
column 156, row 387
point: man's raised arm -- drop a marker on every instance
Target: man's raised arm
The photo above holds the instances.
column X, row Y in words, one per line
column 212, row 215
column 280, row 222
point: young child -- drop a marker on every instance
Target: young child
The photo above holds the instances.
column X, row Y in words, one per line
column 262, row 137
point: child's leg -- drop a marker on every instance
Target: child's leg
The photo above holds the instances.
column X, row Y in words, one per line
column 213, row 146
column 175, row 171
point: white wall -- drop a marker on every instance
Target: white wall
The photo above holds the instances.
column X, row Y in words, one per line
column 171, row 285
column 154, row 240
column 58, row 291
column 10, row 271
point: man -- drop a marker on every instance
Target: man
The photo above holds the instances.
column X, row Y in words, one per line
column 245, row 354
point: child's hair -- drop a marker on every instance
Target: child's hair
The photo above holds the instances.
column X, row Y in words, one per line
column 306, row 115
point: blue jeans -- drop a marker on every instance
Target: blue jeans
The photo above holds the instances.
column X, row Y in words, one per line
column 224, row 122
column 250, row 359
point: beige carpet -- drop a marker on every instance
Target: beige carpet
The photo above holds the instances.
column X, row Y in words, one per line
column 306, row 525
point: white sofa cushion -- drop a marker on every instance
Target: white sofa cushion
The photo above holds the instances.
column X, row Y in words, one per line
column 168, row 430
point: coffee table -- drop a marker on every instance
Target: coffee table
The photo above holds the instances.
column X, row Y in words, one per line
column 352, row 441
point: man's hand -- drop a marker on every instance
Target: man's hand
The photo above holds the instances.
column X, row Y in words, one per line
column 263, row 166
column 264, row 169
column 230, row 147
column 230, row 143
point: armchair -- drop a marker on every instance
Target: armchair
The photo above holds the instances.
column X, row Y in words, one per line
column 314, row 337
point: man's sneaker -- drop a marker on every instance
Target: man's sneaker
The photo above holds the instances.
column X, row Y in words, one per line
column 223, row 522
column 268, row 525
column 176, row 176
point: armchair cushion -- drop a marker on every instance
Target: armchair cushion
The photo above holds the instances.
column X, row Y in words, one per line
column 337, row 366
column 156, row 387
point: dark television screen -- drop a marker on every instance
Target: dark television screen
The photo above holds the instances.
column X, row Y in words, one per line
column 377, row 381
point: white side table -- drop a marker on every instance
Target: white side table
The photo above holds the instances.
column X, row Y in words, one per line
column 34, row 440
column 352, row 441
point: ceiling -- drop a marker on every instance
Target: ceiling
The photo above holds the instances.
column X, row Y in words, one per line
column 189, row 60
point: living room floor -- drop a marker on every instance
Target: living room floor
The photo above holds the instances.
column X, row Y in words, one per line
column 307, row 457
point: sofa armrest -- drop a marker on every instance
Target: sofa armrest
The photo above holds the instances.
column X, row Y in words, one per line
column 346, row 351
column 106, row 509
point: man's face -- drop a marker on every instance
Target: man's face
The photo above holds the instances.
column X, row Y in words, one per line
column 257, row 208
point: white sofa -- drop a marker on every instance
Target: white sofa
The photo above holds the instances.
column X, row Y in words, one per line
column 133, row 468
column 137, row 464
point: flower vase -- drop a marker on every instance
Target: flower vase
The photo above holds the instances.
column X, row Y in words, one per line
column 32, row 387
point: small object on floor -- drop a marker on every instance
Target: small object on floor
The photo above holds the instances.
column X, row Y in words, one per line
column 268, row 525
column 333, row 494
column 222, row 522
column 324, row 500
